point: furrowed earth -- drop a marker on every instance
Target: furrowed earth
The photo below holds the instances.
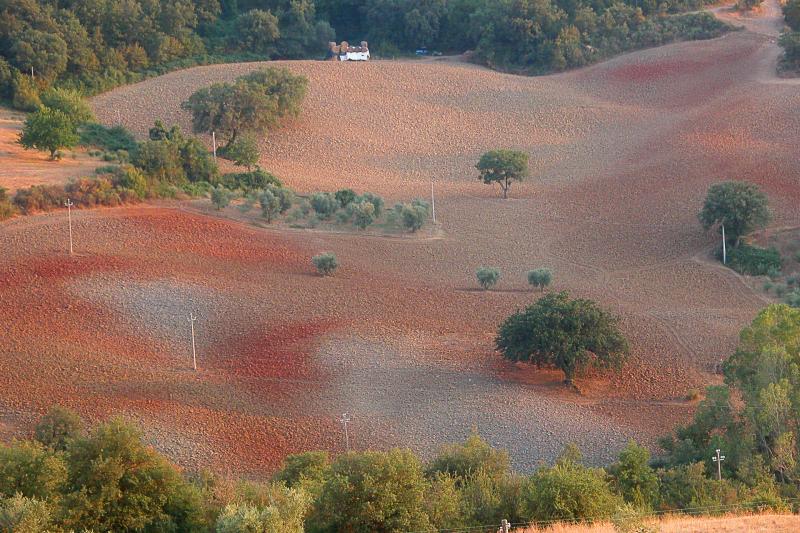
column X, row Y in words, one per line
column 400, row 338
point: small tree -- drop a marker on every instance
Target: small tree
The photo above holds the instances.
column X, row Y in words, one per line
column 540, row 277
column 740, row 207
column 345, row 197
column 363, row 214
column 58, row 427
column 221, row 197
column 503, row 167
column 48, row 130
column 324, row 203
column 564, row 333
column 487, row 277
column 270, row 205
column 243, row 151
column 325, row 263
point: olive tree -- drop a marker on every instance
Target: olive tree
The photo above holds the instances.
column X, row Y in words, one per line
column 568, row 334
column 221, row 197
column 487, row 277
column 270, row 204
column 738, row 206
column 243, row 152
column 540, row 277
column 503, row 167
column 325, row 263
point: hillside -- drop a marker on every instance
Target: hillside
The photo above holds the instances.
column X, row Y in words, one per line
column 622, row 154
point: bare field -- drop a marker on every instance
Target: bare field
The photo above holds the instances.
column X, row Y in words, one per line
column 765, row 523
column 622, row 154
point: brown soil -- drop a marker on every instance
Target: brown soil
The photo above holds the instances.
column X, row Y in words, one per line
column 622, row 154
column 21, row 168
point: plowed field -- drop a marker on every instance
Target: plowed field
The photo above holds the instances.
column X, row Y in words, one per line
column 621, row 156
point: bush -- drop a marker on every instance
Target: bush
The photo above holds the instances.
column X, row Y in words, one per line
column 793, row 298
column 19, row 514
column 325, row 263
column 755, row 261
column 58, row 427
column 413, row 215
column 111, row 139
column 130, row 178
column 7, row 208
column 540, row 277
column 375, row 200
column 221, row 197
column 570, row 491
column 487, row 277
column 284, row 195
column 243, row 152
column 91, row 192
column 250, row 181
column 363, row 214
column 270, row 205
column 40, row 198
column 345, row 197
column 26, row 96
column 324, row 203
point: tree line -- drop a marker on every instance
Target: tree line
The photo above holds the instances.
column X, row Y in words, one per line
column 93, row 45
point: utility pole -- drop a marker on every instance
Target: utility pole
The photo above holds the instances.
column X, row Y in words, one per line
column 214, row 144
column 69, row 205
column 192, row 318
column 119, row 118
column 32, row 76
column 718, row 459
column 433, row 204
column 344, row 421
column 724, row 247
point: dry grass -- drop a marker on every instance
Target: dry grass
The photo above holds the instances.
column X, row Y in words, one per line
column 766, row 523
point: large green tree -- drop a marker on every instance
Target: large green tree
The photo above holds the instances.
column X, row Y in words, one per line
column 503, row 167
column 569, row 334
column 740, row 207
column 48, row 130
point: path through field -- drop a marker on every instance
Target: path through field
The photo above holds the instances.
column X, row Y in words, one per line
column 622, row 153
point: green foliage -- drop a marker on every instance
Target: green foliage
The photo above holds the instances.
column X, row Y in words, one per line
column 69, row 102
column 790, row 41
column 413, row 215
column 285, row 512
column 570, row 491
column 487, row 277
column 270, row 204
column 250, row 181
column 107, row 138
column 564, row 333
column 688, row 487
column 48, row 130
column 345, row 197
column 363, row 214
column 307, row 470
column 40, row 198
column 161, row 161
column 503, row 167
column 325, row 263
column 116, row 482
column 633, row 478
column 58, row 427
column 130, row 178
column 463, row 460
column 791, row 14
column 740, row 207
column 30, row 469
column 26, row 95
column 243, row 152
column 253, row 104
column 540, row 277
column 19, row 514
column 792, row 299
column 257, row 31
column 754, row 261
column 372, row 491
column 747, row 5
column 324, row 204
column 221, row 197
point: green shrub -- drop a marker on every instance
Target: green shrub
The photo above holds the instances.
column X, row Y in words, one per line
column 363, row 215
column 793, row 298
column 755, row 261
column 345, row 197
column 221, row 197
column 413, row 215
column 19, row 514
column 780, row 289
column 107, row 138
column 487, row 277
column 69, row 102
column 324, row 203
column 91, row 192
column 26, row 96
column 58, row 428
column 375, row 200
column 250, row 181
column 540, row 277
column 325, row 263
column 270, row 205
column 243, row 152
column 284, row 194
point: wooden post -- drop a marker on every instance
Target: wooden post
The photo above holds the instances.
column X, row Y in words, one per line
column 724, row 247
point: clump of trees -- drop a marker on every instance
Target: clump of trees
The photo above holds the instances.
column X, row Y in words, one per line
column 503, row 167
column 561, row 332
column 325, row 263
column 487, row 277
column 253, row 104
column 540, row 277
column 790, row 40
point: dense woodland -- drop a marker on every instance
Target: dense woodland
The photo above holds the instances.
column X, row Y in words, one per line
column 93, row 45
